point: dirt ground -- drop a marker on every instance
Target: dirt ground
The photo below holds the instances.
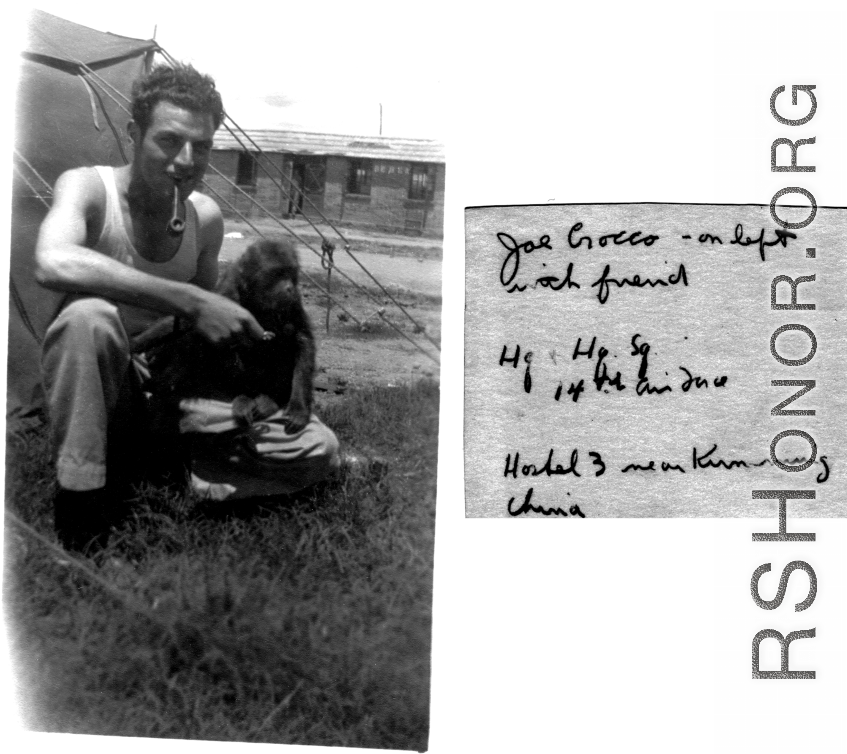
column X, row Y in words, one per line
column 364, row 344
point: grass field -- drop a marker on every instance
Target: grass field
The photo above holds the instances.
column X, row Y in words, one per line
column 303, row 620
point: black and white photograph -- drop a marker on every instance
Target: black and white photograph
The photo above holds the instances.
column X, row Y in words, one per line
column 223, row 391
column 599, row 509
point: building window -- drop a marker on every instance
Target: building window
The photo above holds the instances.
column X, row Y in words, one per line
column 359, row 177
column 247, row 169
column 421, row 182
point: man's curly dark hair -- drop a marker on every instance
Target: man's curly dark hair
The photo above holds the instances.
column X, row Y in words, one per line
column 183, row 85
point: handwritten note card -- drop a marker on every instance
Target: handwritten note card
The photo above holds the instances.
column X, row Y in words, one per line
column 626, row 360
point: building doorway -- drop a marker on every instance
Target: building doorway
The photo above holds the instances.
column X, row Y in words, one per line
column 308, row 177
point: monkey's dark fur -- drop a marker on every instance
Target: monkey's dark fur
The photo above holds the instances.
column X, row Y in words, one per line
column 259, row 377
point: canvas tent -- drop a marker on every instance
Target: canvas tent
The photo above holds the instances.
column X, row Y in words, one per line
column 67, row 115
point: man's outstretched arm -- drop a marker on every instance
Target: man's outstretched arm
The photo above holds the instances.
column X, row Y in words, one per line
column 65, row 263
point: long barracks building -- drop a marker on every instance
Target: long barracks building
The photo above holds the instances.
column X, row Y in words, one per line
column 378, row 182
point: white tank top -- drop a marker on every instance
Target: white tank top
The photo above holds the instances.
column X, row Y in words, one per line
column 115, row 243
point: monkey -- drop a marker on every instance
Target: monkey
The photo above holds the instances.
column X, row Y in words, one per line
column 259, row 377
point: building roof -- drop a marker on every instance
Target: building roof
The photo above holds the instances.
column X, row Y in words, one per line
column 301, row 142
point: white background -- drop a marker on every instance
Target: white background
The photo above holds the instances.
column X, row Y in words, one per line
column 611, row 636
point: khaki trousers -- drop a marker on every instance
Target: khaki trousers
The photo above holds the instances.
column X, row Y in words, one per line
column 94, row 397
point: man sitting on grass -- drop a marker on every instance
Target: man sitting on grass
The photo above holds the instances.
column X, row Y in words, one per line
column 106, row 242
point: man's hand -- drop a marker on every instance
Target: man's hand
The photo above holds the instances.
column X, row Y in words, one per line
column 220, row 320
column 246, row 410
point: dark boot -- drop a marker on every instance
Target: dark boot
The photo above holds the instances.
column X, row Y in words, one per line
column 81, row 520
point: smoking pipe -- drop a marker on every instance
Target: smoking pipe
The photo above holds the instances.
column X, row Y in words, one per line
column 176, row 225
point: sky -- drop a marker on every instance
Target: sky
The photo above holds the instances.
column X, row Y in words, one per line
column 310, row 66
